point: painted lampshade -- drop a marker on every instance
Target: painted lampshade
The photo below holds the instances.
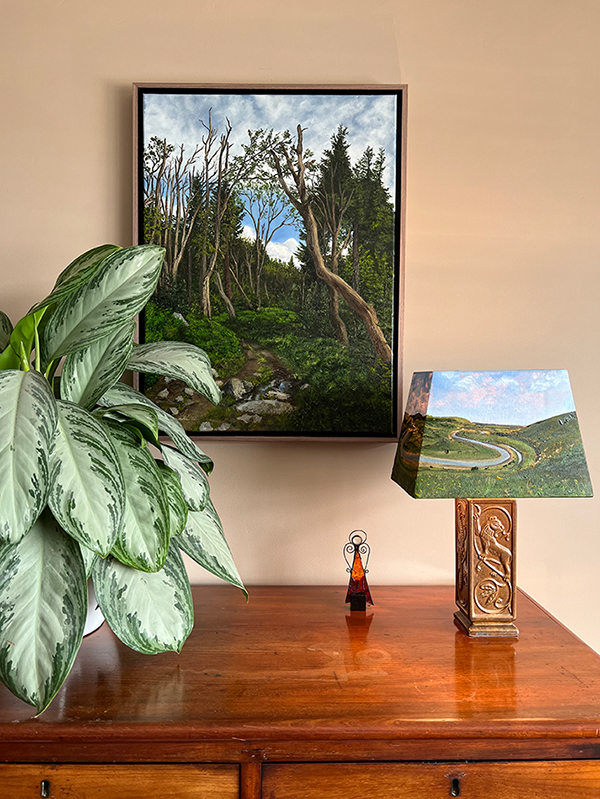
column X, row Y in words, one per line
column 491, row 434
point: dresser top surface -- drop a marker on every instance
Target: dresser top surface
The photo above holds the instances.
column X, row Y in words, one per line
column 294, row 662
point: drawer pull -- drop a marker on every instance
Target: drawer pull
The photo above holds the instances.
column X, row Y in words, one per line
column 454, row 786
column 45, row 789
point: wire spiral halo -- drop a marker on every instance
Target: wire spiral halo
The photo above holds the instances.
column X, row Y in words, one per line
column 357, row 542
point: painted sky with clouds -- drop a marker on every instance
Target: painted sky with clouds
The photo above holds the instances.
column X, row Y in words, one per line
column 370, row 119
column 517, row 397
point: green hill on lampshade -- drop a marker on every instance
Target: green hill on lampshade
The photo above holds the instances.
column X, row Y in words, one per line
column 544, row 459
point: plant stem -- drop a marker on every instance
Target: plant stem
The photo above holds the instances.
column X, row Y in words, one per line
column 24, row 362
column 38, row 355
column 49, row 375
column 51, row 368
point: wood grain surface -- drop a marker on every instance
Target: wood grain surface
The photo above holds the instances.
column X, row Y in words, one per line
column 294, row 675
column 122, row 782
column 564, row 779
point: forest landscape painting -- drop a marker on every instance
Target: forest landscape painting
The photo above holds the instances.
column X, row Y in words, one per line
column 280, row 212
column 491, row 434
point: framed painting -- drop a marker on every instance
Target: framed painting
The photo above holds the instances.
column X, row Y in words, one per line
column 281, row 212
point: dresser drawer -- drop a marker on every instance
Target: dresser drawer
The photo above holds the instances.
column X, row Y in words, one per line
column 572, row 779
column 119, row 782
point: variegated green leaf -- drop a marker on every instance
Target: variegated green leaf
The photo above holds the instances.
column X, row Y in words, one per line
column 178, row 509
column 88, row 373
column 179, row 360
column 135, row 431
column 6, row 329
column 87, row 490
column 204, row 541
column 143, row 540
column 23, row 339
column 43, row 604
column 141, row 416
column 121, row 393
column 150, row 613
column 89, row 558
column 76, row 274
column 9, row 359
column 117, row 291
column 193, row 480
column 28, row 420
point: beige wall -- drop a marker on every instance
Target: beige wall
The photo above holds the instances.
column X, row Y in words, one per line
column 502, row 232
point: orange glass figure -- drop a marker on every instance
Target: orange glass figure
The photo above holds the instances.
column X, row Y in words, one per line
column 358, row 590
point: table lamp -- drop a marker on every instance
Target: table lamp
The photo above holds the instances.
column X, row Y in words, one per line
column 485, row 439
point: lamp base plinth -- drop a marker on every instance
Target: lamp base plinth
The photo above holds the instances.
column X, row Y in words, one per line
column 484, row 629
column 485, row 567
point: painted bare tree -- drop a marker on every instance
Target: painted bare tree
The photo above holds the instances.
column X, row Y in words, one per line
column 170, row 186
column 227, row 175
column 269, row 210
column 182, row 194
column 286, row 156
column 332, row 198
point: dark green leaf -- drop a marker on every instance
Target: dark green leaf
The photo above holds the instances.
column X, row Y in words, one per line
column 5, row 331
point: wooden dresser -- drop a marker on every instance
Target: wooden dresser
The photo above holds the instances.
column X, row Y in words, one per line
column 292, row 697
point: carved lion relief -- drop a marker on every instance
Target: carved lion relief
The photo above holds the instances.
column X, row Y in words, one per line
column 492, row 558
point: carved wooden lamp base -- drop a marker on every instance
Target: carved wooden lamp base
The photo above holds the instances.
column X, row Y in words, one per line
column 485, row 567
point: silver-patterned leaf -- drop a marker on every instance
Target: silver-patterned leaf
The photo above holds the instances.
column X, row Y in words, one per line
column 6, row 329
column 110, row 299
column 121, row 393
column 89, row 558
column 28, row 420
column 43, row 605
column 88, row 373
column 87, row 490
column 150, row 613
column 141, row 416
column 204, row 541
column 178, row 360
column 143, row 540
column 76, row 274
column 178, row 509
column 194, row 483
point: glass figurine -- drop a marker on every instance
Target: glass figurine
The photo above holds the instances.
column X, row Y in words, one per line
column 358, row 590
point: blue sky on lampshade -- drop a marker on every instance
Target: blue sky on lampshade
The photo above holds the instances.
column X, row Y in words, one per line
column 491, row 434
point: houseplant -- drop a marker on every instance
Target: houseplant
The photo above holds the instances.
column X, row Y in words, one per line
column 81, row 493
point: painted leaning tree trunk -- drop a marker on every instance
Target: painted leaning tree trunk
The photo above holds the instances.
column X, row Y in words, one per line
column 362, row 308
column 302, row 204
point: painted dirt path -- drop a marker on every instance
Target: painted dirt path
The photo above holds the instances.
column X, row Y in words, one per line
column 264, row 388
